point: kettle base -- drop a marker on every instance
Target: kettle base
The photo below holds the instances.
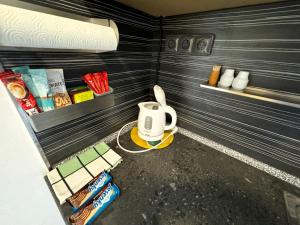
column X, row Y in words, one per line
column 145, row 144
column 153, row 143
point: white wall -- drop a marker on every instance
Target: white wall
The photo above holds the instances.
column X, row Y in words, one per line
column 25, row 198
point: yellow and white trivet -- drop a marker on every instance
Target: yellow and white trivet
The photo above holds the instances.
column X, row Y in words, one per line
column 144, row 144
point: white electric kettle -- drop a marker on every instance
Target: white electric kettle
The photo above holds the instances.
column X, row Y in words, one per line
column 152, row 117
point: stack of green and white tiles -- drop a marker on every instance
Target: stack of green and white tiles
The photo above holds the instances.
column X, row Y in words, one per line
column 73, row 174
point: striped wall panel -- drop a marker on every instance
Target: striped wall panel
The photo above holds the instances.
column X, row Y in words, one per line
column 261, row 39
column 264, row 40
column 131, row 73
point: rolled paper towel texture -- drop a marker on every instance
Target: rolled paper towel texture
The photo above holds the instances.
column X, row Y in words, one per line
column 26, row 28
column 214, row 76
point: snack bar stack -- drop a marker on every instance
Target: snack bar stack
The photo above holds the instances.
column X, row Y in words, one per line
column 72, row 175
column 83, row 197
column 87, row 215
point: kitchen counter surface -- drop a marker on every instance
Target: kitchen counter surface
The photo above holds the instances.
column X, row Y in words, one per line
column 189, row 183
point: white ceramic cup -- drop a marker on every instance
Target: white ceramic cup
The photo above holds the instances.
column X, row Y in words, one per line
column 241, row 81
column 226, row 78
column 243, row 75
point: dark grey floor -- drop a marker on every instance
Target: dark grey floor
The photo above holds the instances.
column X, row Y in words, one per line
column 189, row 183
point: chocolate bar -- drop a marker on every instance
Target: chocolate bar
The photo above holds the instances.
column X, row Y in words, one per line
column 88, row 214
column 82, row 198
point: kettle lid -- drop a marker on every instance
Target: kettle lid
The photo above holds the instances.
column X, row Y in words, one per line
column 160, row 95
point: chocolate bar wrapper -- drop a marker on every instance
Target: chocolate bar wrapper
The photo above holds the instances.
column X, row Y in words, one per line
column 83, row 197
column 88, row 214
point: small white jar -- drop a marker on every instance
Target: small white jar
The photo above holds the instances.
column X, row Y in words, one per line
column 226, row 78
column 241, row 81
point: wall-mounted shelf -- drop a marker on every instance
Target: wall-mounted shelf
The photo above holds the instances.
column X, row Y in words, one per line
column 45, row 120
column 282, row 98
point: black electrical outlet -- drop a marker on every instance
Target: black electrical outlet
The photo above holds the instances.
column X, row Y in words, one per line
column 185, row 44
column 172, row 43
column 203, row 44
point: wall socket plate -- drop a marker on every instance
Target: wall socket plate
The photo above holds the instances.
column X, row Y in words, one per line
column 195, row 44
column 172, row 43
column 203, row 44
column 185, row 44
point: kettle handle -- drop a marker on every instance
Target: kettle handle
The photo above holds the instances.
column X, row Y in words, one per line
column 172, row 112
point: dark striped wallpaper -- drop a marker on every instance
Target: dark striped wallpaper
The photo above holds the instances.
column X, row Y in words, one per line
column 264, row 40
column 131, row 72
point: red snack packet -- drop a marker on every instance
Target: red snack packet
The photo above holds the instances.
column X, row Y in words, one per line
column 88, row 79
column 18, row 89
column 98, row 75
column 105, row 80
column 98, row 83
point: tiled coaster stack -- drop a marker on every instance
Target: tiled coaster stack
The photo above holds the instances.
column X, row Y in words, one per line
column 69, row 177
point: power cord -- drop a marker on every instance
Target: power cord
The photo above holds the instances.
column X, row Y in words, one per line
column 174, row 130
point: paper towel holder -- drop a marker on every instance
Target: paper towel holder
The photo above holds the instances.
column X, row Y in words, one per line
column 62, row 14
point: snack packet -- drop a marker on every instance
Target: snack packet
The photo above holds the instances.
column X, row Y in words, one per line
column 90, row 81
column 105, row 80
column 18, row 89
column 44, row 95
column 87, row 215
column 58, row 89
column 98, row 76
column 81, row 198
column 24, row 71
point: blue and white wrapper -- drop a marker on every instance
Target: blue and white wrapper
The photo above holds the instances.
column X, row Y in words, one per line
column 88, row 214
column 85, row 195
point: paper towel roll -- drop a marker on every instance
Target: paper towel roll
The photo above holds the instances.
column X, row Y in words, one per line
column 25, row 28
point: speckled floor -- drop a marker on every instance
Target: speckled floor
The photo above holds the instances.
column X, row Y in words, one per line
column 189, row 183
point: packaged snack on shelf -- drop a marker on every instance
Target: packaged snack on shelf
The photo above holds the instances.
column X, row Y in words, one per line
column 90, row 81
column 24, row 71
column 40, row 80
column 81, row 94
column 97, row 82
column 105, row 80
column 99, row 78
column 18, row 89
column 58, row 89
